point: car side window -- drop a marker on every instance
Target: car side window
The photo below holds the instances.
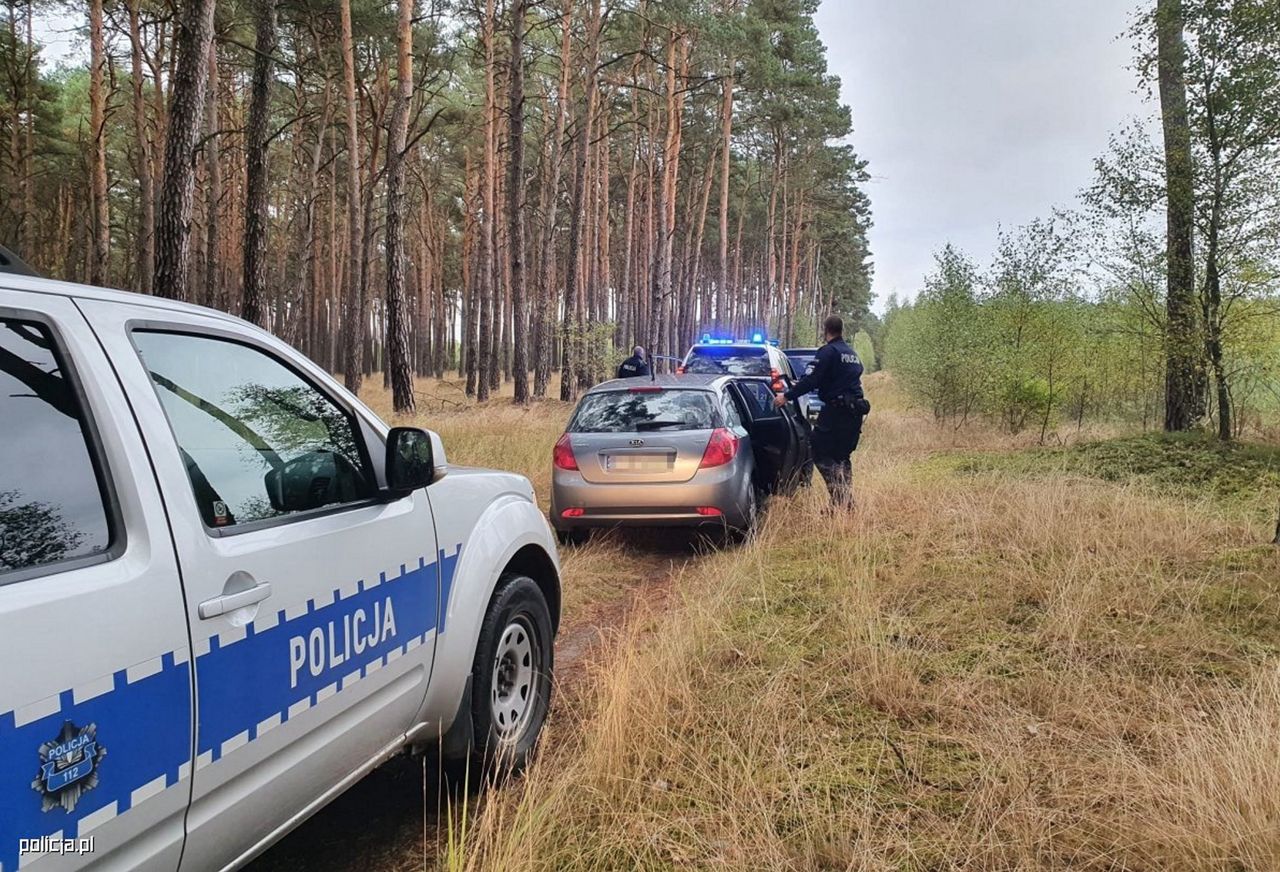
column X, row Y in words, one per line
column 259, row 441
column 53, row 504
column 732, row 419
column 759, row 399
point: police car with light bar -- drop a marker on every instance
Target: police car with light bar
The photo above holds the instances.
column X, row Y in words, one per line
column 228, row 590
column 757, row 356
column 722, row 355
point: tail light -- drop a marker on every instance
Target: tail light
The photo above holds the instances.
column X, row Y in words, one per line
column 562, row 455
column 721, row 449
column 573, row 513
column 709, row 512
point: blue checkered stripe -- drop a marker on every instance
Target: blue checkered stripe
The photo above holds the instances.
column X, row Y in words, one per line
column 143, row 715
column 248, row 682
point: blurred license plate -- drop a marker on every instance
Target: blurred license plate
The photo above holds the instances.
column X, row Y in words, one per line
column 638, row 462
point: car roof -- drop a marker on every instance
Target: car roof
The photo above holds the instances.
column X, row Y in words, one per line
column 687, row 382
column 800, row 351
column 38, row 285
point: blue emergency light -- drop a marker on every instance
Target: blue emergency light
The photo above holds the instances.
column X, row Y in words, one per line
column 709, row 339
column 757, row 338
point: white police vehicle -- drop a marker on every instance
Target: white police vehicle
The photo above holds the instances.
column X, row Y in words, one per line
column 228, row 591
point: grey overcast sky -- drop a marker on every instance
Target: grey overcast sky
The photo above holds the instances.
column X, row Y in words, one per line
column 975, row 114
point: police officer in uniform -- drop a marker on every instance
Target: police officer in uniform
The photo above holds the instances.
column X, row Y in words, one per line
column 635, row 365
column 837, row 377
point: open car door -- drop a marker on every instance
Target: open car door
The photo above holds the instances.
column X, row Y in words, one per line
column 779, row 437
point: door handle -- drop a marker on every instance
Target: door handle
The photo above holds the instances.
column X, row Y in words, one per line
column 229, row 602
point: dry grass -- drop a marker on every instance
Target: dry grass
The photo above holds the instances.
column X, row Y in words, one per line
column 497, row 433
column 981, row 670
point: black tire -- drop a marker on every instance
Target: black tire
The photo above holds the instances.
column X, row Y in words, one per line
column 806, row 474
column 518, row 607
column 742, row 532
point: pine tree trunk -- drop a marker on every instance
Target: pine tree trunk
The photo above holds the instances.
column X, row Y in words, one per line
column 173, row 222
column 28, row 227
column 628, row 330
column 694, row 276
column 470, row 278
column 488, row 175
column 309, row 281
column 146, row 181
column 98, row 146
column 352, row 296
column 515, row 205
column 398, row 363
column 571, row 329
column 661, row 298
column 726, row 169
column 215, row 288
column 549, row 201
column 257, row 135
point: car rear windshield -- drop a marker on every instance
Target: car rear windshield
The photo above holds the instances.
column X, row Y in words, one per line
column 730, row 360
column 644, row 411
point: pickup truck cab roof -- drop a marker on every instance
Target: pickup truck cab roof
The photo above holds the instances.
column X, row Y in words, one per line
column 12, row 264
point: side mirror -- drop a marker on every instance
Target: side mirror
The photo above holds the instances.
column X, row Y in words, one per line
column 411, row 460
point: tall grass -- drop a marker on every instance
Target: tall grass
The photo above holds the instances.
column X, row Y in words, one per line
column 980, row 671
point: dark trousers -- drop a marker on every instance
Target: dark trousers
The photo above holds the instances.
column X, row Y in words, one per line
column 835, row 436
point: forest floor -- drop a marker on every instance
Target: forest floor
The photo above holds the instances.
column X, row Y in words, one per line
column 1006, row 657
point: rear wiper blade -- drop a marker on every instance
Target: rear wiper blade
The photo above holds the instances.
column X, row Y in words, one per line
column 657, row 424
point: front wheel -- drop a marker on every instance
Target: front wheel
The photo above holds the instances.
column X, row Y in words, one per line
column 511, row 675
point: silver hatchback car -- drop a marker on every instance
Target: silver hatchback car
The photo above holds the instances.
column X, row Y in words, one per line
column 675, row 451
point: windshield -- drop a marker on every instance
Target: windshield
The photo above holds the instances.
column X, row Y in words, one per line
column 801, row 361
column 640, row 412
column 729, row 360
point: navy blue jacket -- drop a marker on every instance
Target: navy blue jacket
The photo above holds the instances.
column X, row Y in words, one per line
column 836, row 372
column 633, row 367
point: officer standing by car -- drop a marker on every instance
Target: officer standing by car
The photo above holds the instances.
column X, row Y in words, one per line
column 837, row 377
column 636, row 365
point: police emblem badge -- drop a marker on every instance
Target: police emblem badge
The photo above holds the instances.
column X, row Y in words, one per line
column 68, row 766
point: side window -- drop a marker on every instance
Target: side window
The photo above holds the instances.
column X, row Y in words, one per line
column 52, row 500
column 258, row 440
column 731, row 417
column 759, row 399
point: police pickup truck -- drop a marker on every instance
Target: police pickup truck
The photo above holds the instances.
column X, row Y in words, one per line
column 228, row 591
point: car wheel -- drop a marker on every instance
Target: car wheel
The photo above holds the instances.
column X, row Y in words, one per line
column 511, row 675
column 806, row 474
column 751, row 518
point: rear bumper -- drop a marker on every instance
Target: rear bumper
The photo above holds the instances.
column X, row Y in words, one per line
column 669, row 504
